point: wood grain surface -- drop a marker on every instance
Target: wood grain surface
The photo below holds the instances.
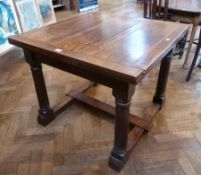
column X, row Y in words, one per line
column 117, row 45
column 80, row 140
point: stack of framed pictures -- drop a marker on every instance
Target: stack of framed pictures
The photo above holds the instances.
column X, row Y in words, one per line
column 21, row 16
column 34, row 13
column 8, row 24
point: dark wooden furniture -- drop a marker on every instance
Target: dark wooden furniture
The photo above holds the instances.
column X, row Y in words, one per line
column 156, row 9
column 193, row 65
column 186, row 11
column 118, row 58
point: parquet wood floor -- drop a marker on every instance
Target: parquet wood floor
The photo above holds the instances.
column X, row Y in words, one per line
column 79, row 141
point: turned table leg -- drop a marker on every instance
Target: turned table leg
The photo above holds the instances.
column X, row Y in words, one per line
column 45, row 113
column 162, row 80
column 119, row 152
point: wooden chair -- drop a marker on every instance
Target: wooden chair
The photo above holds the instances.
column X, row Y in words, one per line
column 193, row 65
column 156, row 9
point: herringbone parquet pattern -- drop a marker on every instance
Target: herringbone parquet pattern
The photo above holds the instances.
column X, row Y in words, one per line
column 79, row 141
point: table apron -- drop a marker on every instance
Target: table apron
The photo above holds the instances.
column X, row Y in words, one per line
column 97, row 76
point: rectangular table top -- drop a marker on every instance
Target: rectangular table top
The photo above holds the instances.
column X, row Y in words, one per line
column 189, row 6
column 120, row 46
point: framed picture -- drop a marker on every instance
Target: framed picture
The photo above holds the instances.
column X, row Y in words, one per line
column 28, row 14
column 46, row 11
column 8, row 25
column 84, row 5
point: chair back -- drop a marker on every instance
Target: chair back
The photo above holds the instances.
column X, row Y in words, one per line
column 156, row 9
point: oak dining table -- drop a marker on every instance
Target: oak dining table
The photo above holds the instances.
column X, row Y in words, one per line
column 186, row 11
column 115, row 51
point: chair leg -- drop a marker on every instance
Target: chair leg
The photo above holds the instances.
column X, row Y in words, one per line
column 194, row 59
column 190, row 45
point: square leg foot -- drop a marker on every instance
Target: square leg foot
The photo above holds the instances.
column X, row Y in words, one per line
column 45, row 116
column 117, row 161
